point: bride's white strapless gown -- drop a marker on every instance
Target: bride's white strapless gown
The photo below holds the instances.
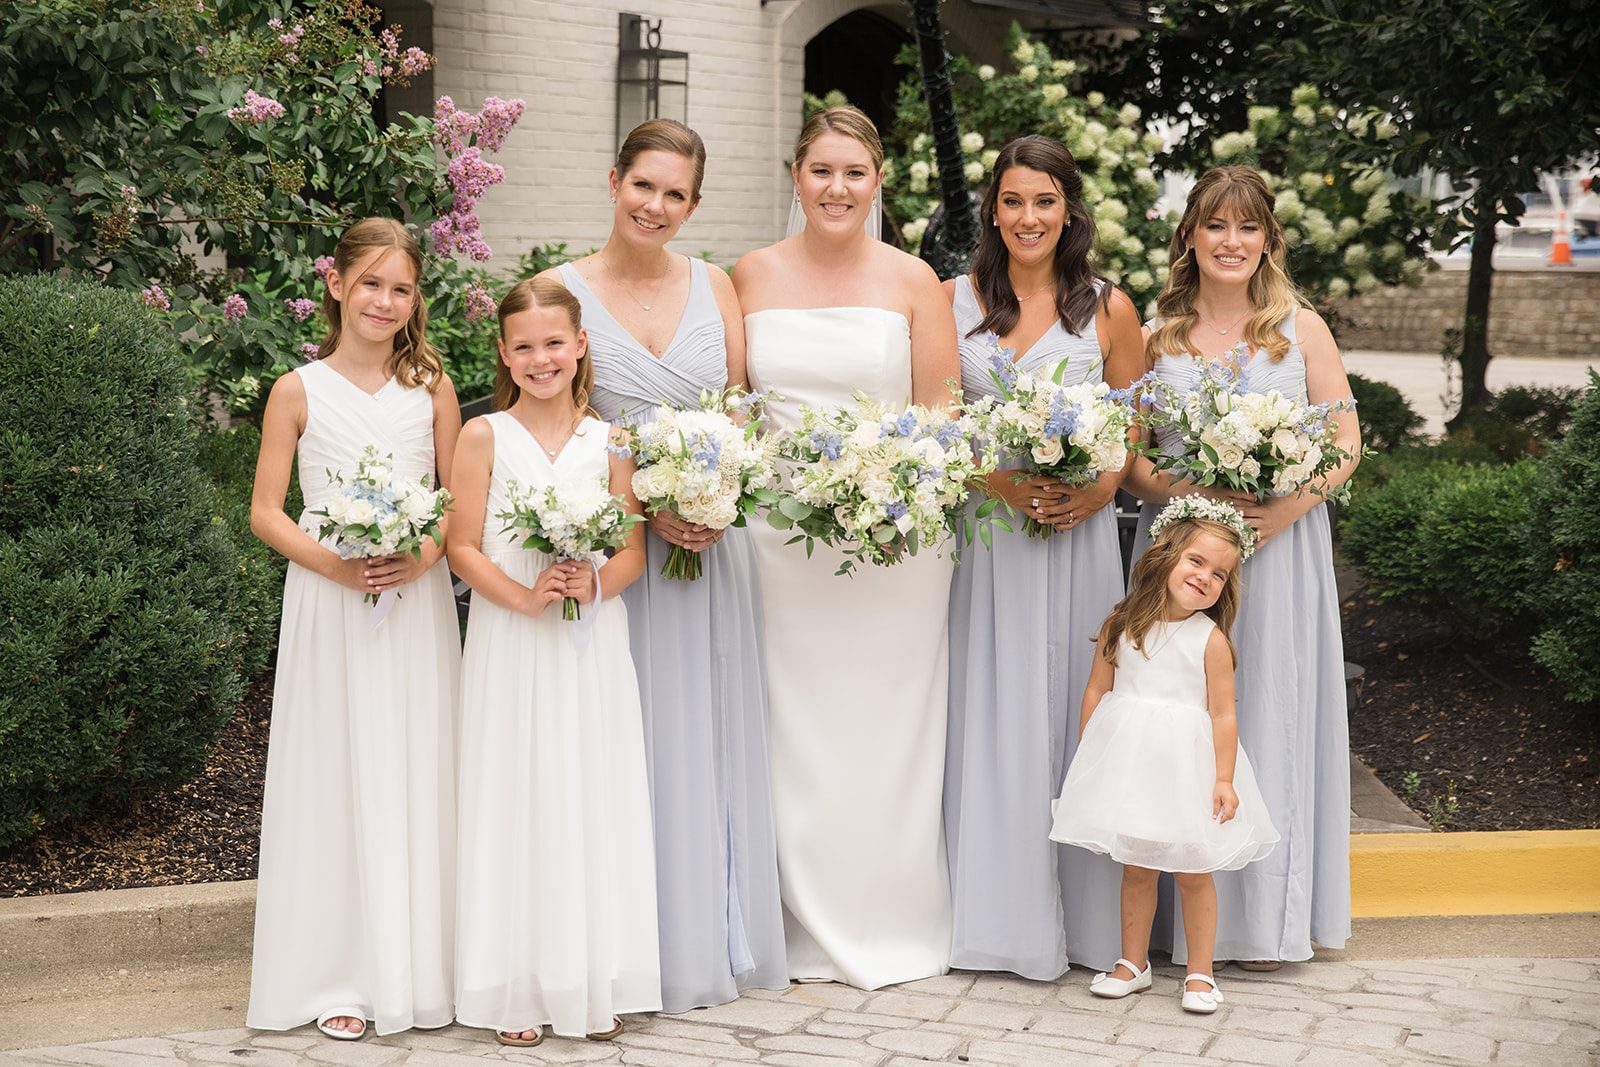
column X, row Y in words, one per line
column 857, row 676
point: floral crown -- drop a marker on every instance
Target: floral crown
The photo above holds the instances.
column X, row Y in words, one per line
column 1203, row 507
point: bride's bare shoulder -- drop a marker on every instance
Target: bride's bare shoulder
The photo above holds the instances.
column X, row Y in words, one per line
column 908, row 269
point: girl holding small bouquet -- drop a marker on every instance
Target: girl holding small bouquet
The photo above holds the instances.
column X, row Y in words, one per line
column 664, row 327
column 1024, row 609
column 355, row 900
column 557, row 918
column 1228, row 285
column 1159, row 782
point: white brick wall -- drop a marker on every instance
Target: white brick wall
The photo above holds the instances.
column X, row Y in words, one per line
column 746, row 67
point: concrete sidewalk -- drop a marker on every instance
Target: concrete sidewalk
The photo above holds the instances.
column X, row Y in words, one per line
column 1426, row 380
column 1335, row 1011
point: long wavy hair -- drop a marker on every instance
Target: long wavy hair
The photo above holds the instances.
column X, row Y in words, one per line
column 1221, row 191
column 1146, row 604
column 1077, row 291
column 542, row 292
column 415, row 362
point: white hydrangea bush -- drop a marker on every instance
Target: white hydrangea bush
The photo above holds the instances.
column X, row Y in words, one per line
column 1111, row 145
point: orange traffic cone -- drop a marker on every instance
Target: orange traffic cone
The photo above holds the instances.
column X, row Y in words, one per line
column 1560, row 243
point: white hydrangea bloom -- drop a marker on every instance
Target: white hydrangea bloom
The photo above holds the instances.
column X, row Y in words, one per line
column 1357, row 257
column 973, row 171
column 1096, row 100
column 1140, row 280
column 1132, row 247
column 1348, row 228
column 1233, row 145
column 1367, row 182
column 1158, row 257
column 1311, row 183
column 1111, row 231
column 1366, row 282
column 1023, row 52
column 1053, row 92
column 919, row 174
column 1152, row 143
column 989, row 156
column 1377, row 208
column 1305, row 116
column 1111, row 210
column 1028, row 72
column 1305, row 95
column 1290, row 209
column 986, row 73
column 1062, row 68
column 972, row 142
column 1129, row 114
column 1254, row 116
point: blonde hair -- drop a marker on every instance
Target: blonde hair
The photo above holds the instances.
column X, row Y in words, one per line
column 850, row 121
column 543, row 292
column 1147, row 600
column 664, row 135
column 415, row 362
column 1241, row 192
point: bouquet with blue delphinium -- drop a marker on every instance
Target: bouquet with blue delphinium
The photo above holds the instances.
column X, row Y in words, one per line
column 1261, row 443
column 704, row 465
column 875, row 480
column 576, row 519
column 1072, row 433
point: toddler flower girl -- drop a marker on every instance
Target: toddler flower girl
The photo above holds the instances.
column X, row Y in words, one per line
column 1159, row 781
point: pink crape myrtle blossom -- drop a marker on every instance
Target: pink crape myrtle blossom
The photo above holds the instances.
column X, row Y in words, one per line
column 469, row 174
column 301, row 309
column 155, row 298
column 414, row 61
column 255, row 109
column 480, row 305
column 309, row 351
column 235, row 308
column 323, row 265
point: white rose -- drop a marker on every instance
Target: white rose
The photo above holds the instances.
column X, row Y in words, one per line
column 360, row 513
column 1049, row 451
column 1250, row 467
column 1230, row 456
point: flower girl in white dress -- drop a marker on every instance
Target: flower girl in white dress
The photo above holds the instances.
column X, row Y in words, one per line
column 353, row 904
column 557, row 907
column 1159, row 781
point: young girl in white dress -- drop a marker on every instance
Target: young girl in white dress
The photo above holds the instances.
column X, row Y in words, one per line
column 1159, row 781
column 354, row 903
column 557, row 916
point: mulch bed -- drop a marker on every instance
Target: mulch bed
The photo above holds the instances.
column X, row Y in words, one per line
column 1481, row 716
column 1442, row 717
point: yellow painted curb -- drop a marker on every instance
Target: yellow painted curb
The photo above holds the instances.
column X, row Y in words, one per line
column 1527, row 872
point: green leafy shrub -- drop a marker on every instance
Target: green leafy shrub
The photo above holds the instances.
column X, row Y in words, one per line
column 118, row 647
column 1387, row 420
column 1564, row 553
column 1449, row 539
column 228, row 458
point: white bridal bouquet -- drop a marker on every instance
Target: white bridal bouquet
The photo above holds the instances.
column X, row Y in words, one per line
column 376, row 515
column 1068, row 432
column 872, row 480
column 706, row 467
column 1261, row 443
column 569, row 520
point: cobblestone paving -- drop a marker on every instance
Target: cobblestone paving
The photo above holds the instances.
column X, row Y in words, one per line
column 1538, row 1013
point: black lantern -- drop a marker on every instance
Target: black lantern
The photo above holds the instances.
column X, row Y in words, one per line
column 652, row 82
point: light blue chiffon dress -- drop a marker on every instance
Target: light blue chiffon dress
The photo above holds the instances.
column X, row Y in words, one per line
column 1022, row 618
column 1292, row 723
column 702, row 685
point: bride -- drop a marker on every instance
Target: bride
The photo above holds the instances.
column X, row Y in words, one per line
column 856, row 666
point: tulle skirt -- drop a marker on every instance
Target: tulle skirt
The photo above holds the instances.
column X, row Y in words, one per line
column 1140, row 790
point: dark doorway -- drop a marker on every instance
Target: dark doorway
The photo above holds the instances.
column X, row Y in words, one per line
column 855, row 55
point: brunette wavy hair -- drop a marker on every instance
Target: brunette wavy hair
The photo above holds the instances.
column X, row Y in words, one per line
column 1146, row 603
column 1079, row 288
column 415, row 362
column 1241, row 192
column 543, row 292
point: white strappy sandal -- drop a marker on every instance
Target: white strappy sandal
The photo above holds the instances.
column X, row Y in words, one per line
column 1201, row 1001
column 342, row 1013
column 1103, row 985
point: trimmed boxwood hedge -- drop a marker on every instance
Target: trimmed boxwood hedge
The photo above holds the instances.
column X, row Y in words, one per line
column 119, row 649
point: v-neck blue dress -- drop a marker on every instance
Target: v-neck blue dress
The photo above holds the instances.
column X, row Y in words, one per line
column 1292, row 721
column 702, row 684
column 1023, row 615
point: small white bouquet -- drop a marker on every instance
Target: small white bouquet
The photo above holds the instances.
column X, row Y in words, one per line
column 706, row 467
column 1261, row 443
column 569, row 520
column 873, row 480
column 375, row 514
column 1068, row 432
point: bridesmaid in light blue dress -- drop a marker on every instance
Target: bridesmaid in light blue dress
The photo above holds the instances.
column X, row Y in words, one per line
column 659, row 329
column 1228, row 285
column 1023, row 614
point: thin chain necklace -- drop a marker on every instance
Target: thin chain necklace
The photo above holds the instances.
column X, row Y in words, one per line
column 1036, row 292
column 659, row 286
column 1231, row 325
column 551, row 452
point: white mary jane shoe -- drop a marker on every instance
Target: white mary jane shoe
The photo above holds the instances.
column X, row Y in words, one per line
column 1103, row 985
column 1201, row 1001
